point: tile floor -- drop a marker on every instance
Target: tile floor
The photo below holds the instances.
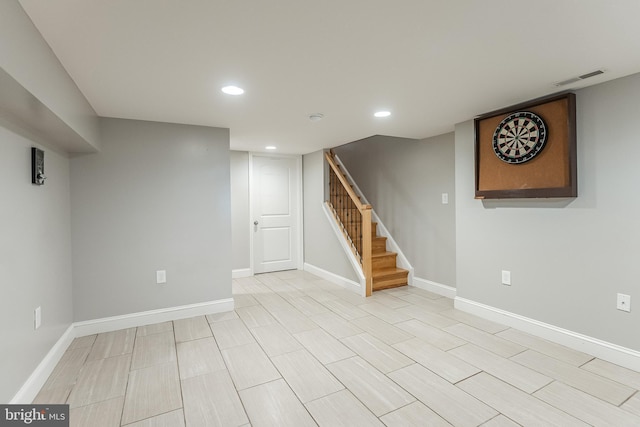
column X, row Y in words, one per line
column 300, row 351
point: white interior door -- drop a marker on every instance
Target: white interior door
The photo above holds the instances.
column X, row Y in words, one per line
column 275, row 212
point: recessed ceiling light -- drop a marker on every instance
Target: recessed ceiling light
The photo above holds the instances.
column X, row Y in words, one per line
column 382, row 113
column 233, row 90
column 270, row 147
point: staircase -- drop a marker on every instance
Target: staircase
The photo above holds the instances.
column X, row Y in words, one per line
column 354, row 218
column 386, row 274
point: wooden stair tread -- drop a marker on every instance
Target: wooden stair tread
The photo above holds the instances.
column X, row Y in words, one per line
column 390, row 271
column 382, row 254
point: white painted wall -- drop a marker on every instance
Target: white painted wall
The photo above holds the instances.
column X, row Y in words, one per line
column 321, row 246
column 155, row 198
column 240, row 221
column 35, row 259
column 404, row 180
column 26, row 57
column 568, row 258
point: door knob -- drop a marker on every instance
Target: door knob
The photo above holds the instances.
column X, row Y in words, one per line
column 255, row 222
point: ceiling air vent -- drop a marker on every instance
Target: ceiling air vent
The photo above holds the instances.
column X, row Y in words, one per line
column 577, row 79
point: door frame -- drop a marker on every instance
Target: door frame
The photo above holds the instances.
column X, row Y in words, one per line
column 299, row 218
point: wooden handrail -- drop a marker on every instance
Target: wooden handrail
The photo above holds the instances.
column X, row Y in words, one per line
column 358, row 232
column 352, row 194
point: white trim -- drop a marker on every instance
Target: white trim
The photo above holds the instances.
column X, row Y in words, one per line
column 435, row 287
column 241, row 272
column 39, row 376
column 333, row 278
column 108, row 324
column 602, row 349
column 299, row 222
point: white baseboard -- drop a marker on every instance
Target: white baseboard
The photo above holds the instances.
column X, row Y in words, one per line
column 39, row 376
column 241, row 272
column 436, row 288
column 108, row 324
column 36, row 380
column 601, row 349
column 333, row 278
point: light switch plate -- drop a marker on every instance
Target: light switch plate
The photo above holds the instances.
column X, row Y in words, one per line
column 445, row 198
column 37, row 318
column 161, row 276
column 506, row 277
column 624, row 302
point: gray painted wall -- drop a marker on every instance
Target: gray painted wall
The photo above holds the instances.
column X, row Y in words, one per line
column 240, row 231
column 35, row 260
column 155, row 198
column 404, row 180
column 26, row 57
column 321, row 246
column 568, row 258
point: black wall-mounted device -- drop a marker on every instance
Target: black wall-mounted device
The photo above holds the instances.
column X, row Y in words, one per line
column 37, row 166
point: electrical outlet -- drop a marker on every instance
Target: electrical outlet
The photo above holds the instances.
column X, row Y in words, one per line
column 445, row 198
column 37, row 318
column 624, row 302
column 506, row 277
column 161, row 276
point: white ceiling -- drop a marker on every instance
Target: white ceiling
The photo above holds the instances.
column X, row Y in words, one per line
column 432, row 63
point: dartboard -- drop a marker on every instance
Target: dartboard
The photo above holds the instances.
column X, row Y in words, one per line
column 519, row 137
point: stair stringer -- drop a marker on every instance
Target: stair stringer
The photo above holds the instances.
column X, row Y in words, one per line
column 392, row 246
column 355, row 263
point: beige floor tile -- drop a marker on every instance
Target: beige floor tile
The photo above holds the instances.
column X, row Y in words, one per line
column 152, row 391
column 387, row 300
column 154, row 329
column 323, row 346
column 349, row 296
column 198, row 357
column 240, row 300
column 490, row 342
column 557, row 351
column 428, row 317
column 510, row 372
column 385, row 313
column 53, row 396
column 445, row 399
column 80, row 342
column 320, row 295
column 335, row 325
column 272, row 302
column 212, row 400
column 500, row 421
column 275, row 339
column 154, row 349
column 231, row 333
column 593, row 384
column 170, row 419
column 434, row 336
column 415, row 414
column 382, row 330
column 255, row 315
column 308, row 305
column 307, row 377
column 633, row 404
column 516, row 404
column 249, row 365
column 614, row 372
column 429, row 304
column 475, row 321
column 101, row 414
column 66, row 372
column 417, row 291
column 221, row 317
column 586, row 407
column 342, row 409
column 274, row 404
column 113, row 343
column 101, row 379
column 442, row 363
column 375, row 390
column 344, row 309
column 382, row 356
column 293, row 320
column 192, row 329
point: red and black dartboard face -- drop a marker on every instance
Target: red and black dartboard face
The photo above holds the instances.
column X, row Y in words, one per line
column 519, row 137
